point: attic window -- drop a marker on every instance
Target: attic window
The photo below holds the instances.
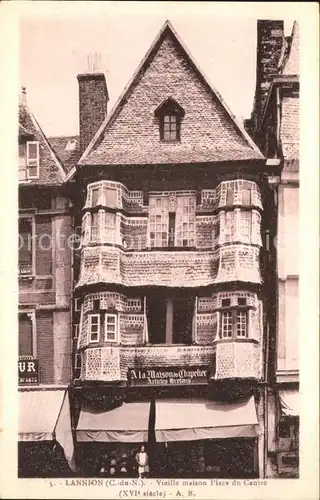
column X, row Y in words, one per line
column 170, row 115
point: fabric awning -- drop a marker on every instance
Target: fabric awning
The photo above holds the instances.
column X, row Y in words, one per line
column 44, row 415
column 127, row 424
column 289, row 402
column 189, row 420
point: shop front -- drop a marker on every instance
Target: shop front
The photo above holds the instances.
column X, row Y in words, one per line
column 186, row 431
column 45, row 440
column 288, row 433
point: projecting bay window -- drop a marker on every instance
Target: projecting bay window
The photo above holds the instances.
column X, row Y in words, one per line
column 170, row 319
column 159, row 221
column 234, row 321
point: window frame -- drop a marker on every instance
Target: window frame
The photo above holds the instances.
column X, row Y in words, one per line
column 106, row 316
column 234, row 311
column 174, row 123
column 180, row 221
column 36, row 160
column 164, row 220
column 91, row 316
column 111, row 230
column 33, row 246
column 96, row 226
column 32, row 314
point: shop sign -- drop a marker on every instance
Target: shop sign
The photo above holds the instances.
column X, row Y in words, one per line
column 163, row 376
column 28, row 371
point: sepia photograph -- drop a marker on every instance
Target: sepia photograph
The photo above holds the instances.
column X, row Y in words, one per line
column 158, row 249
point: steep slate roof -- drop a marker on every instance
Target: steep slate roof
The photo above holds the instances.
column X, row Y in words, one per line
column 130, row 134
column 51, row 170
column 292, row 65
column 68, row 157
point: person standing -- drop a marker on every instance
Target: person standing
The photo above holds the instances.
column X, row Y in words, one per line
column 143, row 462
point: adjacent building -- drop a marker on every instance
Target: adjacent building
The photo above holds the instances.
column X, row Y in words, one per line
column 44, row 317
column 275, row 127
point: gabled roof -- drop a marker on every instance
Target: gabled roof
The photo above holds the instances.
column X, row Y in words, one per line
column 67, row 149
column 291, row 67
column 221, row 138
column 51, row 170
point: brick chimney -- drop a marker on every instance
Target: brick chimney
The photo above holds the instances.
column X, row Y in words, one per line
column 270, row 38
column 93, row 102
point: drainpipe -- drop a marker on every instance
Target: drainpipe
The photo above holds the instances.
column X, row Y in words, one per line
column 278, row 120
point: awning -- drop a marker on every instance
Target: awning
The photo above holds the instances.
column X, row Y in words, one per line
column 127, row 424
column 289, row 402
column 44, row 415
column 189, row 420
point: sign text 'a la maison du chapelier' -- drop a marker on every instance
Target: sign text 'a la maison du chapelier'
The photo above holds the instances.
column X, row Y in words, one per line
column 197, row 375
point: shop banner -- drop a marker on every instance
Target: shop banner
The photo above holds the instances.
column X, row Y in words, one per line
column 161, row 376
column 28, row 371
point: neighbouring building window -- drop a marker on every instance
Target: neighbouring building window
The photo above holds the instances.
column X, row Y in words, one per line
column 33, row 160
column 26, row 246
column 185, row 221
column 94, row 327
column 158, row 221
column 234, row 323
column 110, row 328
column 170, row 319
column 26, row 338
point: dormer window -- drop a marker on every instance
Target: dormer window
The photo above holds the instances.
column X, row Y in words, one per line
column 170, row 115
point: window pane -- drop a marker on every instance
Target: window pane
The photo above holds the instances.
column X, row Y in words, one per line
column 166, row 119
column 185, row 221
column 158, row 211
column 95, row 196
column 25, row 335
column 33, row 150
column 25, row 246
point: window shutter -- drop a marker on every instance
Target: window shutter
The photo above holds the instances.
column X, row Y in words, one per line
column 33, row 159
column 25, row 335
